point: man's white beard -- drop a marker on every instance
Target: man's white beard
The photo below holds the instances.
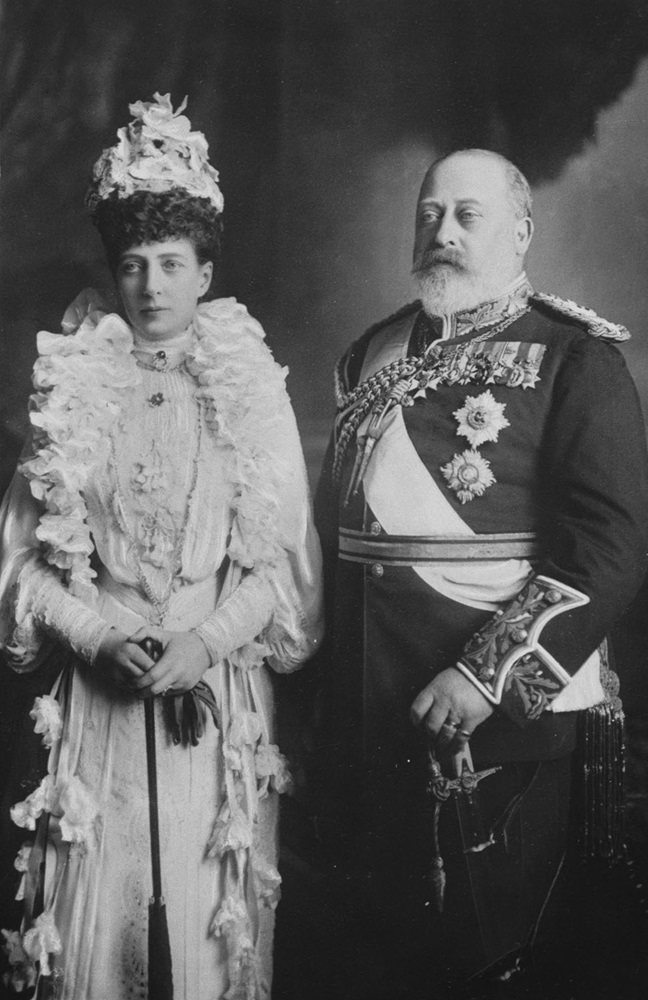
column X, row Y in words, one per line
column 444, row 289
column 446, row 286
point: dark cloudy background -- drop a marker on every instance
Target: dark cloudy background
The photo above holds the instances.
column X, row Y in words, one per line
column 321, row 117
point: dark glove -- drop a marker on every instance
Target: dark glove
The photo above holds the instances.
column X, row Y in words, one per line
column 185, row 714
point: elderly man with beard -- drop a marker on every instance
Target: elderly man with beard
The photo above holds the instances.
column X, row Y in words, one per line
column 483, row 515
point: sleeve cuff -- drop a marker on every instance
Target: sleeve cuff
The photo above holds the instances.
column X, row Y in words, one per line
column 506, row 661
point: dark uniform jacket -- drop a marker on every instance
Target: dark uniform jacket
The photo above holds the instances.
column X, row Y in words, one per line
column 566, row 474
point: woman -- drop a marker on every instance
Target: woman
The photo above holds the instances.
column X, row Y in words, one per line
column 163, row 496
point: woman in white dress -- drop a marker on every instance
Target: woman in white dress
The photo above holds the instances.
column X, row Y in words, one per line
column 163, row 494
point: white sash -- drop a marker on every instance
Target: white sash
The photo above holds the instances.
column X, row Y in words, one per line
column 407, row 501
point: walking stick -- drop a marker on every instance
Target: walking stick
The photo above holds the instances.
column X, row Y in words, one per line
column 160, row 973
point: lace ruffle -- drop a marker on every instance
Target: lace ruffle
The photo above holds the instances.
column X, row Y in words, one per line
column 80, row 381
column 81, row 377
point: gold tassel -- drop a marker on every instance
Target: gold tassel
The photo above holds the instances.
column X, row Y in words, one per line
column 602, row 746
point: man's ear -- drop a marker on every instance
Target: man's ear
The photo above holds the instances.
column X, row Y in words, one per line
column 523, row 234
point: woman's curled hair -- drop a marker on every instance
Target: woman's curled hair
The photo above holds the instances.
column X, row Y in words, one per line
column 155, row 217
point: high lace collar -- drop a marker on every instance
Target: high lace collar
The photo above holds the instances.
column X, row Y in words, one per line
column 179, row 344
column 512, row 301
column 162, row 355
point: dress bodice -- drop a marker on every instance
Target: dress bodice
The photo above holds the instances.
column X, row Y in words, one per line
column 158, row 502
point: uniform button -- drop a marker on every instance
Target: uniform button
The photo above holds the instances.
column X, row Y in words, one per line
column 377, row 570
column 375, row 528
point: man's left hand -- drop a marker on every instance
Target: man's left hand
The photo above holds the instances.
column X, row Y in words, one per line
column 450, row 708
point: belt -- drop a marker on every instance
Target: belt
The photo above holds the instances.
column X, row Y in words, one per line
column 408, row 550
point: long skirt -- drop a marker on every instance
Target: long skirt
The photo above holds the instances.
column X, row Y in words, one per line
column 98, row 875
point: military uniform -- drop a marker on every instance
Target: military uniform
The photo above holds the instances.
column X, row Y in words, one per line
column 483, row 506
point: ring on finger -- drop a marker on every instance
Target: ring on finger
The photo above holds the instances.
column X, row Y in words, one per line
column 464, row 732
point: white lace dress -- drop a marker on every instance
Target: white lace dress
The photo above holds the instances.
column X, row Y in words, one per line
column 172, row 487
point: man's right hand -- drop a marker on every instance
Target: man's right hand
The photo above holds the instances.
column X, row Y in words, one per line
column 450, row 708
column 122, row 662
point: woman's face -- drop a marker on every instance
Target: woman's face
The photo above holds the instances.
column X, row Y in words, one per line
column 160, row 284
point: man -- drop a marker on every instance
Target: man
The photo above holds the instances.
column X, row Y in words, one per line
column 483, row 514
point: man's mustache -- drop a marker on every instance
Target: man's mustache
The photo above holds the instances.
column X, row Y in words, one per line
column 431, row 258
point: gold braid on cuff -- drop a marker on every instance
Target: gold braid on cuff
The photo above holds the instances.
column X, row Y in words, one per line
column 511, row 639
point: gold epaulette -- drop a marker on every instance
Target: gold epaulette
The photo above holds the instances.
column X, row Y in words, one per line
column 595, row 325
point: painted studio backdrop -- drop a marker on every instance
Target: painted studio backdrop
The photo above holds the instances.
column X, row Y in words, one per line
column 322, row 116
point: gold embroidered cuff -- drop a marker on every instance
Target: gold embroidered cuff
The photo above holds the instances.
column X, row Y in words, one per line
column 506, row 655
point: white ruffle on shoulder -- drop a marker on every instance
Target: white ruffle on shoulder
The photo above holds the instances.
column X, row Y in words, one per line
column 205, row 494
